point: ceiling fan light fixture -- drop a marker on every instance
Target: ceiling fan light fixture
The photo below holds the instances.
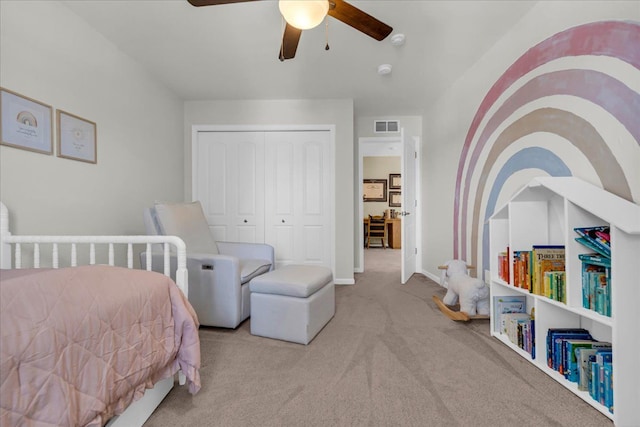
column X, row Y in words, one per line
column 304, row 14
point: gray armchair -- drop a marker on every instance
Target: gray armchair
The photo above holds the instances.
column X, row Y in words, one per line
column 219, row 272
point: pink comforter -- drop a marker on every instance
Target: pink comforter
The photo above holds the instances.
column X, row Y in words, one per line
column 79, row 344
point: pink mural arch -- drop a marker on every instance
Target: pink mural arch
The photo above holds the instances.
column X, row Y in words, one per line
column 482, row 170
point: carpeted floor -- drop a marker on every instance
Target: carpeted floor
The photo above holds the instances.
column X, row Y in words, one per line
column 387, row 358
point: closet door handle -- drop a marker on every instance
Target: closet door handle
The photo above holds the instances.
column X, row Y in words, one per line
column 283, row 221
column 245, row 221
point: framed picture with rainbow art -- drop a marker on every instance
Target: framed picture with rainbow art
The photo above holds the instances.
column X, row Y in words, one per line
column 25, row 123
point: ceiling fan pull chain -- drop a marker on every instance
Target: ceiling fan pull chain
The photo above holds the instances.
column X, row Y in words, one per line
column 326, row 32
column 283, row 24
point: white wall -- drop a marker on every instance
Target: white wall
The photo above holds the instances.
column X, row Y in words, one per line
column 292, row 112
column 446, row 124
column 48, row 53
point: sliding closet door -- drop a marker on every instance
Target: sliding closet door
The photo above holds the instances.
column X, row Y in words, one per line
column 298, row 196
column 229, row 182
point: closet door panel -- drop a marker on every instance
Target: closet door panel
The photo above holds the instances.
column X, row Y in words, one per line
column 315, row 211
column 230, row 184
column 284, row 244
column 297, row 181
column 212, row 184
column 249, row 167
column 313, row 243
column 280, row 189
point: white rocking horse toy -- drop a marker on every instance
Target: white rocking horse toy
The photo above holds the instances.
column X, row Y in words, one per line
column 472, row 293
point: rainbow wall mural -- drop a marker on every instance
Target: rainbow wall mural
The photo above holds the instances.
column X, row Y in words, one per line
column 570, row 106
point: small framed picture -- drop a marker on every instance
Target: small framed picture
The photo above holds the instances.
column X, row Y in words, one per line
column 76, row 137
column 25, row 123
column 395, row 199
column 374, row 190
column 395, row 181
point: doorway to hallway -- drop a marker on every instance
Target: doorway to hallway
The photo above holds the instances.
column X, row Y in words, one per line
column 402, row 197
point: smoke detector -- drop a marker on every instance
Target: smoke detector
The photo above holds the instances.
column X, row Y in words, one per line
column 384, row 69
column 397, row 39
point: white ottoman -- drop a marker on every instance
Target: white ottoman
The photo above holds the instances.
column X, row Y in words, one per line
column 292, row 303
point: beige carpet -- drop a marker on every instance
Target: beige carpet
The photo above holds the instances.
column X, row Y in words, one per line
column 387, row 358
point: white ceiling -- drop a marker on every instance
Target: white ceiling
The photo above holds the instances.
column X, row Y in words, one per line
column 231, row 51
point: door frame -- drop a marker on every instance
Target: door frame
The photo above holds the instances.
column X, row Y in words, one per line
column 380, row 147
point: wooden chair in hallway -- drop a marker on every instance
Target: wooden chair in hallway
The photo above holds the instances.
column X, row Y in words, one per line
column 377, row 229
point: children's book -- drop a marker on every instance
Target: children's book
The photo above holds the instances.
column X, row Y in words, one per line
column 594, row 382
column 545, row 258
column 554, row 333
column 595, row 259
column 596, row 288
column 603, row 356
column 507, row 304
column 587, row 243
column 558, row 347
column 595, row 236
column 521, row 275
column 571, row 363
column 585, row 356
column 510, row 324
column 607, row 379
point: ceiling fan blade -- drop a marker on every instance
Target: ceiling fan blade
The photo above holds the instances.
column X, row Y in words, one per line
column 290, row 40
column 358, row 19
column 215, row 2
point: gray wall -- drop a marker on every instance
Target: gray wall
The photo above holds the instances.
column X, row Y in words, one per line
column 49, row 54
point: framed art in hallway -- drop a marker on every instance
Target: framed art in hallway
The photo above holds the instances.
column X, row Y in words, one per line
column 25, row 123
column 395, row 199
column 395, row 181
column 374, row 190
column 76, row 137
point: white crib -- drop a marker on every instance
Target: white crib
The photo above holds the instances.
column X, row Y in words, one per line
column 12, row 250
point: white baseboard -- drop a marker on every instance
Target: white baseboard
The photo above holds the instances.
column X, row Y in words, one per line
column 344, row 281
column 434, row 277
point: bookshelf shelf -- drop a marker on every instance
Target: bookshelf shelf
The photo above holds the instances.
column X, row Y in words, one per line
column 574, row 389
column 505, row 340
column 545, row 212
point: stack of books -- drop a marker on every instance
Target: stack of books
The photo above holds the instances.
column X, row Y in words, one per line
column 539, row 270
column 547, row 277
column 512, row 320
column 596, row 268
column 574, row 353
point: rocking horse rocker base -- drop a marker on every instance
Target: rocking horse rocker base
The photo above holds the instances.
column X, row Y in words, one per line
column 458, row 316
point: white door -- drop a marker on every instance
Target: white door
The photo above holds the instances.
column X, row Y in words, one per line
column 408, row 211
column 298, row 197
column 229, row 182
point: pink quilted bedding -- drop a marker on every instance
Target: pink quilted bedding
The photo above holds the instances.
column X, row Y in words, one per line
column 79, row 344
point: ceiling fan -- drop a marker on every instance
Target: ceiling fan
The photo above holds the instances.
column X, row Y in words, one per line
column 312, row 13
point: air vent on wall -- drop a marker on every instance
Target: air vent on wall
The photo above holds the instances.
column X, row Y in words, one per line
column 386, row 126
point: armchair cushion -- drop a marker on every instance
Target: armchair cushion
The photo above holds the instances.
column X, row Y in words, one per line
column 186, row 220
column 250, row 268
